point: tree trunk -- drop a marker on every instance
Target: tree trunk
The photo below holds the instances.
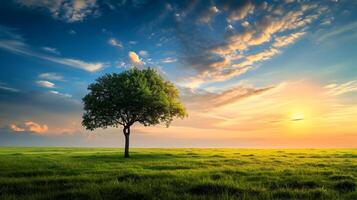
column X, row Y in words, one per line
column 126, row 134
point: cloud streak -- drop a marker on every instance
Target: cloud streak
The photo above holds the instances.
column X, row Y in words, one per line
column 21, row 48
column 68, row 11
column 45, row 84
column 51, row 76
column 343, row 88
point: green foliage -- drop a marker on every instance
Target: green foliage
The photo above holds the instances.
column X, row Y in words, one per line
column 132, row 96
column 98, row 173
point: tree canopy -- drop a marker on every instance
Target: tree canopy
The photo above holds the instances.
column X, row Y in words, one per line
column 132, row 96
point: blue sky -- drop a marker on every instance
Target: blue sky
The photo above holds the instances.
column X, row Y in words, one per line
column 221, row 54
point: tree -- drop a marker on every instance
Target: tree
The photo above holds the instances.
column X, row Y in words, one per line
column 132, row 96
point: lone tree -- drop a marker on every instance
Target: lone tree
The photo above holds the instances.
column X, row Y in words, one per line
column 132, row 96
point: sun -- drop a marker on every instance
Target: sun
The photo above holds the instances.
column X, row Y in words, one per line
column 297, row 116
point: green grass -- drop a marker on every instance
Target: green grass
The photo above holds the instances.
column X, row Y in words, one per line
column 94, row 173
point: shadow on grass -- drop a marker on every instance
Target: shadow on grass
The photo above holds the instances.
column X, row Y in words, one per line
column 294, row 184
column 118, row 157
column 214, row 189
column 140, row 177
column 345, row 186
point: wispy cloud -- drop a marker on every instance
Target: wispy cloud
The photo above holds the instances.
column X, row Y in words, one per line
column 12, row 42
column 207, row 14
column 168, row 60
column 4, row 86
column 45, row 84
column 336, row 89
column 203, row 99
column 341, row 30
column 51, row 76
column 60, row 94
column 51, row 50
column 115, row 43
column 69, row 11
column 257, row 34
column 143, row 53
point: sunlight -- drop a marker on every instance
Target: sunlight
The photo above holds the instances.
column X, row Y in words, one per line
column 297, row 116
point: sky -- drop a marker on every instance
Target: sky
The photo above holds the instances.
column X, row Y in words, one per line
column 252, row 74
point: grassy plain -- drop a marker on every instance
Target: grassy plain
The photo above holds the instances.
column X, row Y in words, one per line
column 101, row 173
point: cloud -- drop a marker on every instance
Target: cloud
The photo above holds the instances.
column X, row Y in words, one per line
column 4, row 86
column 285, row 40
column 134, row 58
column 143, row 53
column 245, row 24
column 29, row 126
column 45, row 84
column 61, row 94
column 207, row 15
column 15, row 128
column 21, row 48
column 28, row 103
column 238, row 10
column 66, row 10
column 8, row 32
column 115, row 43
column 36, row 128
column 339, row 89
column 204, row 100
column 240, row 49
column 51, row 76
column 51, row 50
column 341, row 30
column 120, row 64
column 72, row 32
column 168, row 60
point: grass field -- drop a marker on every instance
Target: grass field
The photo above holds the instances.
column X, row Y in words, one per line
column 94, row 173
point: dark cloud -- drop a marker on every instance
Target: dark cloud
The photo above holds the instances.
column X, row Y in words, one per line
column 25, row 102
column 203, row 99
column 217, row 54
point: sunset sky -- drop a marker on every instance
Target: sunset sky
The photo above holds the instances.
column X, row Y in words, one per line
column 253, row 74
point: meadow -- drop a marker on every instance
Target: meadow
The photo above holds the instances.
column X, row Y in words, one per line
column 103, row 173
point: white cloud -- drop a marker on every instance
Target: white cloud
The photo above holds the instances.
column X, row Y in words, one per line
column 45, row 84
column 19, row 47
column 134, row 58
column 72, row 32
column 60, row 94
column 66, row 10
column 343, row 29
column 4, row 86
column 168, row 60
column 51, row 50
column 115, row 43
column 51, row 76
